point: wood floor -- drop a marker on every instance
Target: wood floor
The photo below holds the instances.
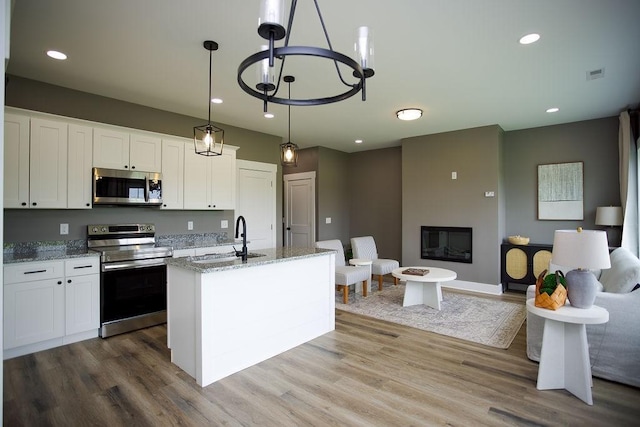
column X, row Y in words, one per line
column 365, row 373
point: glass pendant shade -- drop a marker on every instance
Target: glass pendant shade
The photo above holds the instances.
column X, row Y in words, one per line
column 271, row 12
column 208, row 140
column 364, row 50
column 289, row 154
column 266, row 75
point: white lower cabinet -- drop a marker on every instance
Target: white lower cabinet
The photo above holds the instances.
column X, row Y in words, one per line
column 51, row 303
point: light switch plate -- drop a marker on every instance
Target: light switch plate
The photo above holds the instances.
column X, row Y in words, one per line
column 64, row 228
column 454, row 175
column 189, row 225
column 224, row 223
column 327, row 220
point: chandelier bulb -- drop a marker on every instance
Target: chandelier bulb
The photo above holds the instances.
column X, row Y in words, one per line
column 288, row 155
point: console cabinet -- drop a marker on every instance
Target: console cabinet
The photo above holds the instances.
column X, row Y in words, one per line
column 521, row 264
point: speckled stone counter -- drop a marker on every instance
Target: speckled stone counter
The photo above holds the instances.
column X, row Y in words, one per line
column 45, row 251
column 188, row 241
column 265, row 256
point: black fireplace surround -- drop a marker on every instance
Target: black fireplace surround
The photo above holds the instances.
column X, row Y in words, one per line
column 446, row 243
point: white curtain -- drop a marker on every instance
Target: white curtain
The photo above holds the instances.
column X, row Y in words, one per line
column 629, row 184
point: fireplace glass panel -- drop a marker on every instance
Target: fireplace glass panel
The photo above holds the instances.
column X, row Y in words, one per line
column 446, row 243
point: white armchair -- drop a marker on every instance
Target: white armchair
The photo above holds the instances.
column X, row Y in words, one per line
column 346, row 275
column 365, row 247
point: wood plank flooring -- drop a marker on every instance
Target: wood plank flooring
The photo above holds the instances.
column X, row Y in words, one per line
column 365, row 373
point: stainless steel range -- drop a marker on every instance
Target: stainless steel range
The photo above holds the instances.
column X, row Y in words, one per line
column 133, row 277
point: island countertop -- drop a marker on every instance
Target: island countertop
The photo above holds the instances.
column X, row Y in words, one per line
column 266, row 256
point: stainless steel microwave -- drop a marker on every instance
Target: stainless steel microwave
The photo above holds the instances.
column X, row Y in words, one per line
column 119, row 187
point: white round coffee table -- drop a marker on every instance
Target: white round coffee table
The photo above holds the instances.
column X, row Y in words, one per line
column 362, row 262
column 564, row 357
column 424, row 289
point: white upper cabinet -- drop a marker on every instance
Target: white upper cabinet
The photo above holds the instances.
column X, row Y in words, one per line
column 114, row 149
column 16, row 161
column 80, row 159
column 48, row 164
column 209, row 182
column 172, row 174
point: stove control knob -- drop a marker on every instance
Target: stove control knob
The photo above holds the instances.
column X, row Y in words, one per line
column 103, row 229
column 108, row 258
column 94, row 229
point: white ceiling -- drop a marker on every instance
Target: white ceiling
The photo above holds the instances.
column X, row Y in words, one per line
column 458, row 60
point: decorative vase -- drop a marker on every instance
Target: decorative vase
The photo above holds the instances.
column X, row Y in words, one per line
column 582, row 287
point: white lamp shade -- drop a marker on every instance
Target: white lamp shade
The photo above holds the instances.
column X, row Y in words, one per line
column 586, row 249
column 609, row 215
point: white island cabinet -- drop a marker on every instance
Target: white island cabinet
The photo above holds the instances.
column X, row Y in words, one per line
column 227, row 316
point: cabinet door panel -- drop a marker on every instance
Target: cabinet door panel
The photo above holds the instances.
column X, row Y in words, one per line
column 110, row 149
column 33, row 312
column 197, row 181
column 16, row 161
column 223, row 175
column 80, row 159
column 48, row 164
column 173, row 174
column 145, row 153
column 82, row 303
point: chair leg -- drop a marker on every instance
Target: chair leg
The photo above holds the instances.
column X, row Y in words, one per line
column 380, row 277
column 345, row 294
column 365, row 285
column 395, row 281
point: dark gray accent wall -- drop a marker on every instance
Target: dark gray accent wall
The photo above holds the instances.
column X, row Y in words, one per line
column 375, row 198
column 333, row 192
column 32, row 224
column 431, row 197
column 594, row 142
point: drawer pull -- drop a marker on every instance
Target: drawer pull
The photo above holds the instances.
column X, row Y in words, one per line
column 35, row 271
column 82, row 266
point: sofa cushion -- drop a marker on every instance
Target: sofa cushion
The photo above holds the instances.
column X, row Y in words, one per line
column 624, row 273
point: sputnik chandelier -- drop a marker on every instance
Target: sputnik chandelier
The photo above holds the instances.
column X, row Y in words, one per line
column 271, row 28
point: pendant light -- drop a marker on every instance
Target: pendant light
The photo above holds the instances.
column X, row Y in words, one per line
column 289, row 150
column 208, row 139
column 271, row 28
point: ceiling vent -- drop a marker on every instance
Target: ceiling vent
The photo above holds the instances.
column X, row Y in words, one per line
column 595, row 74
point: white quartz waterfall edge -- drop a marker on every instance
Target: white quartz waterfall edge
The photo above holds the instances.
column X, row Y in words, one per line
column 478, row 319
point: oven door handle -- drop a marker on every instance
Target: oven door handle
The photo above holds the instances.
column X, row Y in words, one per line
column 125, row 265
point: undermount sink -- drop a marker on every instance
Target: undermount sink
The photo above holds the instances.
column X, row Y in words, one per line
column 214, row 258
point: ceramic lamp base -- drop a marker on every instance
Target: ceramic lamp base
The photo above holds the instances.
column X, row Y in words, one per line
column 582, row 287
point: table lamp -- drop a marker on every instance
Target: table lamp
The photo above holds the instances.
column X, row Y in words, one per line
column 609, row 216
column 581, row 250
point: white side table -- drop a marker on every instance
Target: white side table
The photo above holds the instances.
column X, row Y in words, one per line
column 564, row 357
column 358, row 262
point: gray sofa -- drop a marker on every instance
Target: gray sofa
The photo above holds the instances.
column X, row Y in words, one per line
column 614, row 347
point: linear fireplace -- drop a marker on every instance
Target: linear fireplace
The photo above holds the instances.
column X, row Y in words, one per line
column 446, row 243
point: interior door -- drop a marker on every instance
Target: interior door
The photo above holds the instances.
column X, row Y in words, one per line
column 256, row 201
column 300, row 209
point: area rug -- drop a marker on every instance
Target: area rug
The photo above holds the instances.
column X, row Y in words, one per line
column 479, row 319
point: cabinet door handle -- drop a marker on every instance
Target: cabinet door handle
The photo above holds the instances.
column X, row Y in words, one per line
column 126, row 166
column 34, row 204
column 133, row 167
column 24, row 203
column 69, row 281
column 77, row 267
column 35, row 271
column 59, row 282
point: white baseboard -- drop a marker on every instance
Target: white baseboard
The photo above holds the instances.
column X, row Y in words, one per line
column 484, row 288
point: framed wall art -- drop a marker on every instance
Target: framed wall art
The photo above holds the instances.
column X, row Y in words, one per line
column 560, row 191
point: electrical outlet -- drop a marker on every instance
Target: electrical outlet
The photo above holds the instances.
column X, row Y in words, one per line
column 224, row 223
column 327, row 220
column 454, row 175
column 189, row 225
column 489, row 194
column 64, row 228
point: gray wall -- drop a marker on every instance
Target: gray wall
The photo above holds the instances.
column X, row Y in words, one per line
column 29, row 225
column 375, row 201
column 431, row 197
column 594, row 142
column 333, row 192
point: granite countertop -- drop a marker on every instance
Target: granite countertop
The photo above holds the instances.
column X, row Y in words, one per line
column 266, row 256
column 190, row 241
column 47, row 255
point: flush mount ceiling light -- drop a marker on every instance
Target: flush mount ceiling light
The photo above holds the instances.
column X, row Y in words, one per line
column 271, row 28
column 56, row 55
column 409, row 114
column 529, row 38
column 289, row 150
column 553, row 110
column 208, row 139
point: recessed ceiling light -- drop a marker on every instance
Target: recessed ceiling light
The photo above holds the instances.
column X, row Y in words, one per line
column 269, row 115
column 56, row 55
column 553, row 110
column 409, row 114
column 529, row 38
column 358, row 141
column 216, row 101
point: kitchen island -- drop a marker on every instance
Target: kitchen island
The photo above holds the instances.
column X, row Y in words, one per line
column 224, row 316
